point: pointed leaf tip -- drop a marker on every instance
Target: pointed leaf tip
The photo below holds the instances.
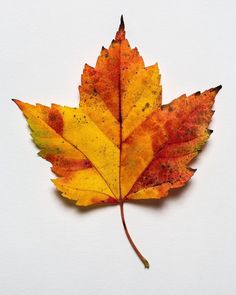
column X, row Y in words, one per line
column 19, row 103
column 122, row 24
column 120, row 35
column 210, row 131
column 16, row 101
column 217, row 89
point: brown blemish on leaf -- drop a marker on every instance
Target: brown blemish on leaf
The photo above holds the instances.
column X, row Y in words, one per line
column 55, row 120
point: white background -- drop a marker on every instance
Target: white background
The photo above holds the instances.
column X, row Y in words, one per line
column 48, row 246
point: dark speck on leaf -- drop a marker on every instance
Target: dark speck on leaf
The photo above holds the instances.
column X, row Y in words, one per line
column 170, row 108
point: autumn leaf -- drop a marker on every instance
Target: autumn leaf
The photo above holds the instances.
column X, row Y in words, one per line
column 121, row 144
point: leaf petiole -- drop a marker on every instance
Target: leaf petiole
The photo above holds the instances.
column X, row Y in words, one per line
column 143, row 259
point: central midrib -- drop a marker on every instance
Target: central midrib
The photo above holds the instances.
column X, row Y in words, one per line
column 120, row 120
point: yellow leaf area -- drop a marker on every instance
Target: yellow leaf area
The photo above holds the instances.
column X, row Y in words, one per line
column 121, row 143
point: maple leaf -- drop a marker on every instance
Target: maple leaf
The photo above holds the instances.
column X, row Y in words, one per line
column 121, row 144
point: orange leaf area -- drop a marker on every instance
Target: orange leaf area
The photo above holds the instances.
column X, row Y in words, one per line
column 121, row 143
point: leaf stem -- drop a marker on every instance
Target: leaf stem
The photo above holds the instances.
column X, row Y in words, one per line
column 143, row 259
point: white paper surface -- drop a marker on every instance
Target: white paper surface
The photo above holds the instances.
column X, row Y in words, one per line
column 50, row 247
